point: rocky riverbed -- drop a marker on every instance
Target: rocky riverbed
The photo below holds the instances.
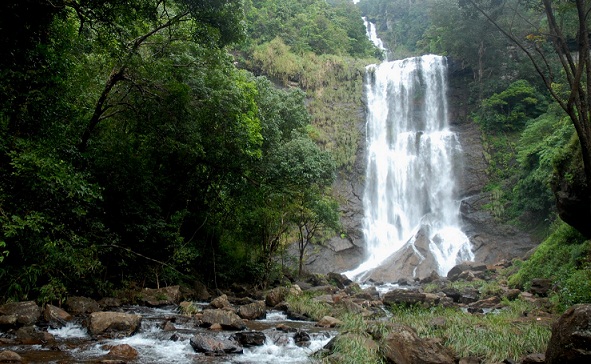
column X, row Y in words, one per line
column 246, row 326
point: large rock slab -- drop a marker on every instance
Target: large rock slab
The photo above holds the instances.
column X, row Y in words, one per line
column 250, row 339
column 20, row 313
column 571, row 337
column 227, row 319
column 404, row 346
column 81, row 305
column 55, row 316
column 253, row 311
column 113, row 324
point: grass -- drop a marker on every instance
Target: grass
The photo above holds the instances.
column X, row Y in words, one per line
column 304, row 304
column 511, row 333
column 492, row 338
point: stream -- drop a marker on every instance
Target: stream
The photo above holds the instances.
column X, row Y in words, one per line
column 73, row 344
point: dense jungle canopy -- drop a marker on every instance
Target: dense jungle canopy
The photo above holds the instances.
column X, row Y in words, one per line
column 152, row 142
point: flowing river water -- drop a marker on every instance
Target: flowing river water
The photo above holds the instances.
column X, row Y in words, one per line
column 154, row 344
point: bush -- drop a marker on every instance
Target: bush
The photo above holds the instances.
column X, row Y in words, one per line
column 563, row 257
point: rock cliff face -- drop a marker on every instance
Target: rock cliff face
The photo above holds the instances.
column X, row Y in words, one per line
column 491, row 241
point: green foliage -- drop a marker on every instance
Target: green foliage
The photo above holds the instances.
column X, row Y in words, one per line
column 321, row 27
column 564, row 258
column 510, row 109
column 541, row 144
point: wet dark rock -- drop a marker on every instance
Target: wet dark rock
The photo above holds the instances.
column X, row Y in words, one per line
column 340, row 280
column 227, row 319
column 253, row 311
column 29, row 335
column 302, row 339
column 292, row 315
column 250, row 339
column 534, row 359
column 469, row 295
column 403, row 345
column 214, row 345
column 434, row 276
column 571, row 337
column 55, row 316
column 168, row 326
column 452, row 293
column 540, row 287
column 81, row 305
column 352, row 289
column 19, row 313
column 113, row 324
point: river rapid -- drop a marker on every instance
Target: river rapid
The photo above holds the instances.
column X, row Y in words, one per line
column 157, row 344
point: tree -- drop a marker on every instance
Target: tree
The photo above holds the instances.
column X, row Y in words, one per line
column 566, row 28
column 314, row 213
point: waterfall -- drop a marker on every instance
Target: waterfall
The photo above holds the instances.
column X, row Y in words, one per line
column 412, row 159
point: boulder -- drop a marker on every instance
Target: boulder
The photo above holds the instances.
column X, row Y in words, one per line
column 81, row 305
column 227, row 319
column 29, row 335
column 329, row 321
column 301, row 338
column 123, row 351
column 214, row 345
column 201, row 292
column 403, row 345
column 160, row 296
column 220, row 302
column 250, row 339
column 571, row 337
column 20, row 313
column 512, row 294
column 113, row 324
column 456, row 271
column 56, row 316
column 276, row 296
column 489, row 303
column 253, row 311
column 109, row 302
column 340, row 280
column 540, row 286
column 7, row 356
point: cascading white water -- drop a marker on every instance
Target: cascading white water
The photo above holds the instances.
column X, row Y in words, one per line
column 410, row 165
column 370, row 31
